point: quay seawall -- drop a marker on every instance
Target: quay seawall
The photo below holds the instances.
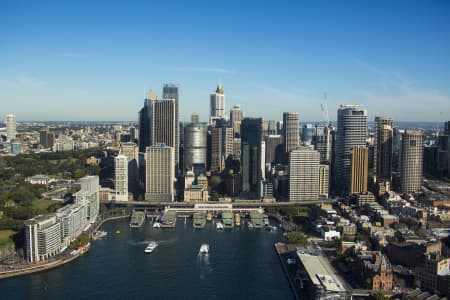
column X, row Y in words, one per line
column 282, row 250
column 39, row 267
column 53, row 264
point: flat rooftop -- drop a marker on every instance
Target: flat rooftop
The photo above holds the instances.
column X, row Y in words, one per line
column 320, row 271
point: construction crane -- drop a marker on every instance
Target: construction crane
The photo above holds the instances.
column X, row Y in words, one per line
column 324, row 108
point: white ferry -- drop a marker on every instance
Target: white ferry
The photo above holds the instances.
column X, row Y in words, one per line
column 219, row 225
column 204, row 249
column 150, row 247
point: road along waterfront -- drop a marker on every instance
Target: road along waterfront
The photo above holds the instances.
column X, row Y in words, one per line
column 242, row 264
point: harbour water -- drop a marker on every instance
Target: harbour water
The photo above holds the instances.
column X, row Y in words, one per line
column 242, row 264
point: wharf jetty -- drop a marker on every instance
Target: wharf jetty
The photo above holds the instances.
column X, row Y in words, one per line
column 169, row 219
column 237, row 219
column 137, row 218
column 227, row 219
column 199, row 220
column 256, row 219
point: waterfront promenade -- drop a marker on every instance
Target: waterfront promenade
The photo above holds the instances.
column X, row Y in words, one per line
column 59, row 260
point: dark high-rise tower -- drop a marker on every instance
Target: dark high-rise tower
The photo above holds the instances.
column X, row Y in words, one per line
column 383, row 150
column 251, row 138
column 145, row 122
column 170, row 91
column 291, row 130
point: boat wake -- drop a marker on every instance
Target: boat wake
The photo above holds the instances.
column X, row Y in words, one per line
column 138, row 243
column 204, row 265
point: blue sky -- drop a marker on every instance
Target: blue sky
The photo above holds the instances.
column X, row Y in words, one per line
column 96, row 60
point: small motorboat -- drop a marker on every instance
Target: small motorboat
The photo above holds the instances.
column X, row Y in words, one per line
column 204, row 249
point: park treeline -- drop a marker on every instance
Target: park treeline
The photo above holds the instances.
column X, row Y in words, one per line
column 20, row 200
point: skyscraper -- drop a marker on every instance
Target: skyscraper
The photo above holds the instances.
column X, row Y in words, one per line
column 291, row 130
column 383, row 153
column 170, row 91
column 46, row 138
column 251, row 129
column 164, row 127
column 236, row 116
column 121, row 177
column 221, row 145
column 360, row 169
column 411, row 165
column 145, row 122
column 303, row 175
column 131, row 151
column 11, row 127
column 194, row 145
column 160, row 173
column 217, row 104
column 380, row 121
column 351, row 133
column 324, row 180
column 322, row 142
column 274, row 144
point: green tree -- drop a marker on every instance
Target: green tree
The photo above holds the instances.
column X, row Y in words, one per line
column 296, row 237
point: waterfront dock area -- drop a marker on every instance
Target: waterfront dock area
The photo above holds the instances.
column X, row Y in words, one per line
column 169, row 219
column 137, row 218
column 237, row 219
column 227, row 219
column 199, row 220
column 256, row 219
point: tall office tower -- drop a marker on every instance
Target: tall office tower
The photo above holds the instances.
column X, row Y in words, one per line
column 324, row 180
column 160, row 173
column 131, row 151
column 121, row 177
column 217, row 104
column 396, row 147
column 380, row 121
column 46, row 138
column 303, row 175
column 195, row 118
column 447, row 128
column 274, row 144
column 351, row 133
column 383, row 153
column 411, row 165
column 145, row 122
column 11, row 127
column 164, row 127
column 291, row 130
column 251, row 129
column 194, row 145
column 237, row 148
column 308, row 132
column 221, row 145
column 322, row 142
column 360, row 170
column 170, row 91
column 236, row 116
column 134, row 134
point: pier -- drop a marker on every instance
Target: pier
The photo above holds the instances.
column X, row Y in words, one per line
column 137, row 218
column 227, row 219
column 199, row 220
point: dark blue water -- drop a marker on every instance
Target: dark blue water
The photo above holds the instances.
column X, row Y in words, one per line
column 242, row 264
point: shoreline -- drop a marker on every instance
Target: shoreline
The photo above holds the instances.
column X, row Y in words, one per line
column 53, row 264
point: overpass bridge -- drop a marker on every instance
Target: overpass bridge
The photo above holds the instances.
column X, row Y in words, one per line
column 189, row 206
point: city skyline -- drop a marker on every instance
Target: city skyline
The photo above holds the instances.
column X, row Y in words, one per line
column 72, row 61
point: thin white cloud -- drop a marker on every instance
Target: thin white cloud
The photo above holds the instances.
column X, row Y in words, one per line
column 402, row 98
column 202, row 70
